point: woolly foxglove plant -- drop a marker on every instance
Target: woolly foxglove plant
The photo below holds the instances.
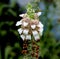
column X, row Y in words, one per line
column 31, row 29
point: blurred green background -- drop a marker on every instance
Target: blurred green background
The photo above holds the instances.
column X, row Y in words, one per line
column 10, row 41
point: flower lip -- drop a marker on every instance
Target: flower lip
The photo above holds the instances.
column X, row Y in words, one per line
column 25, row 31
column 39, row 13
column 19, row 23
column 36, row 37
column 28, row 37
column 40, row 31
column 35, row 32
column 40, row 25
column 25, row 24
column 22, row 36
column 21, row 15
column 20, row 30
column 33, row 26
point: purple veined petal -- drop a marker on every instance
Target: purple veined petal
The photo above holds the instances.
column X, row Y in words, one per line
column 39, row 13
column 22, row 36
column 28, row 37
column 20, row 30
column 25, row 31
column 19, row 23
column 33, row 26
column 21, row 15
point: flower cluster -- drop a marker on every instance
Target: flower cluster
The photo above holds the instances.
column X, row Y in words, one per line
column 30, row 27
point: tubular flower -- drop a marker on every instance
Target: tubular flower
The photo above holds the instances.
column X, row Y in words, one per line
column 30, row 27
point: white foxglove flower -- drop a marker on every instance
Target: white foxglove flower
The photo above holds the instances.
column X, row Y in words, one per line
column 37, row 37
column 39, row 13
column 33, row 26
column 35, row 32
column 25, row 31
column 22, row 36
column 25, row 23
column 20, row 30
column 21, row 15
column 40, row 25
column 19, row 23
column 28, row 37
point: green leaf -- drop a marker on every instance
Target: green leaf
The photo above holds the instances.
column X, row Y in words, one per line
column 12, row 12
column 2, row 6
column 8, row 49
column 3, row 32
